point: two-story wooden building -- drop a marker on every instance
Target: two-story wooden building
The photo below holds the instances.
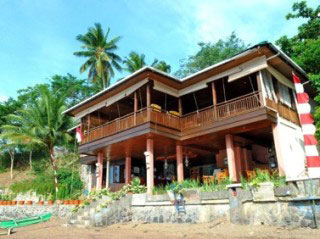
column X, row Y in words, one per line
column 232, row 117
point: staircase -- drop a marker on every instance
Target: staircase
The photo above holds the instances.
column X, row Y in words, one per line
column 99, row 213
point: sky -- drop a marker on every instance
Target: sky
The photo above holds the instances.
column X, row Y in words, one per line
column 38, row 37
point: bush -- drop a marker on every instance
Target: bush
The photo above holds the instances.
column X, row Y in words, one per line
column 70, row 185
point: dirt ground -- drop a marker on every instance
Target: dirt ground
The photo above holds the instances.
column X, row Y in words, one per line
column 6, row 181
column 217, row 229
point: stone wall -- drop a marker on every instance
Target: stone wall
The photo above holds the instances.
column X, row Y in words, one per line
column 20, row 211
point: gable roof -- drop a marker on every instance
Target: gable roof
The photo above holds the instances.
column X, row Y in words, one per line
column 249, row 50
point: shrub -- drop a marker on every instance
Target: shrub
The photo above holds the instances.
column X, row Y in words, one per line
column 70, row 185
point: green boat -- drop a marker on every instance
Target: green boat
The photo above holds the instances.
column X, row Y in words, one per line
column 15, row 223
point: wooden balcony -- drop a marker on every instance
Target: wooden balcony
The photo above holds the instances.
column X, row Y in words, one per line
column 209, row 115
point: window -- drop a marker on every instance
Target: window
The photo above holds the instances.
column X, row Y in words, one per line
column 285, row 96
column 268, row 85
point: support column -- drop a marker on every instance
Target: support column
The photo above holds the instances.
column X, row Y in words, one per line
column 128, row 170
column 107, row 173
column 135, row 107
column 214, row 99
column 279, row 153
column 180, row 106
column 179, row 153
column 150, row 165
column 100, row 170
column 231, row 158
column 149, row 101
column 261, row 88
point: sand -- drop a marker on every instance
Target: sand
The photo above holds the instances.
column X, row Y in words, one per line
column 217, row 229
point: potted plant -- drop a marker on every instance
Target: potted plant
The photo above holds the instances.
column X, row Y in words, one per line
column 51, row 200
column 21, row 202
column 14, row 202
column 29, row 202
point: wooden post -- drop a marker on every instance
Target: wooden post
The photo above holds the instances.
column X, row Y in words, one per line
column 179, row 153
column 100, row 170
column 149, row 101
column 260, row 89
column 135, row 107
column 180, row 106
column 150, row 165
column 214, row 100
column 231, row 158
column 128, row 170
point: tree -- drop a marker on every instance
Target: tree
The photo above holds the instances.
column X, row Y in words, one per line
column 134, row 62
column 210, row 54
column 100, row 54
column 304, row 47
column 10, row 148
column 78, row 90
column 162, row 66
column 41, row 124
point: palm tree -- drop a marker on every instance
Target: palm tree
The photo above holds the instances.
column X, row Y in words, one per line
column 41, row 124
column 134, row 62
column 100, row 54
column 162, row 66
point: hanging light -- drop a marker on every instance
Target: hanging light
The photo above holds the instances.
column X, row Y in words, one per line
column 166, row 164
column 187, row 161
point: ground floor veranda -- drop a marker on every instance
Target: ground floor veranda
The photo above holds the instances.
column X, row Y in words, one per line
column 158, row 160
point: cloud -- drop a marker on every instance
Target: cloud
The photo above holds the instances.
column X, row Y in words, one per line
column 252, row 20
column 3, row 97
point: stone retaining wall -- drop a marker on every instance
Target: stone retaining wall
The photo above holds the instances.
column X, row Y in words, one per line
column 20, row 211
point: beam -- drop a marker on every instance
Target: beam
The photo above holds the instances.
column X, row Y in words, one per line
column 149, row 101
column 108, row 173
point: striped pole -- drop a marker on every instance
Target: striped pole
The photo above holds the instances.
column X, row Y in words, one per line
column 308, row 129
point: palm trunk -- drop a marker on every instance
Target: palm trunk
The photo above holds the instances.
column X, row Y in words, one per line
column 55, row 171
column 11, row 153
column 30, row 160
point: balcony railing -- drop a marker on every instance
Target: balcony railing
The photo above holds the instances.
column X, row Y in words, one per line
column 228, row 109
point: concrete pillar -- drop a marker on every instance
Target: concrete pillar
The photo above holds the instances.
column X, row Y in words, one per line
column 279, row 153
column 231, row 158
column 100, row 170
column 179, row 153
column 90, row 175
column 107, row 173
column 150, row 165
column 128, row 170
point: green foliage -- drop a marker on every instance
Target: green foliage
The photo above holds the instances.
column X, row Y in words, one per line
column 134, row 186
column 304, row 47
column 210, row 54
column 100, row 54
column 70, row 185
column 159, row 190
column 263, row 176
column 137, row 61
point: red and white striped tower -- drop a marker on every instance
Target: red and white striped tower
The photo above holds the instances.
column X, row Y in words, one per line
column 308, row 130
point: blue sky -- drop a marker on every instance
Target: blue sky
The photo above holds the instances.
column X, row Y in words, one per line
column 37, row 37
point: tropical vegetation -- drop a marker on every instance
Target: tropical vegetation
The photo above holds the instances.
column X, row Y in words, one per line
column 34, row 132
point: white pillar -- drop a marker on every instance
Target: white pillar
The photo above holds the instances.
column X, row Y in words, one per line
column 107, row 172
